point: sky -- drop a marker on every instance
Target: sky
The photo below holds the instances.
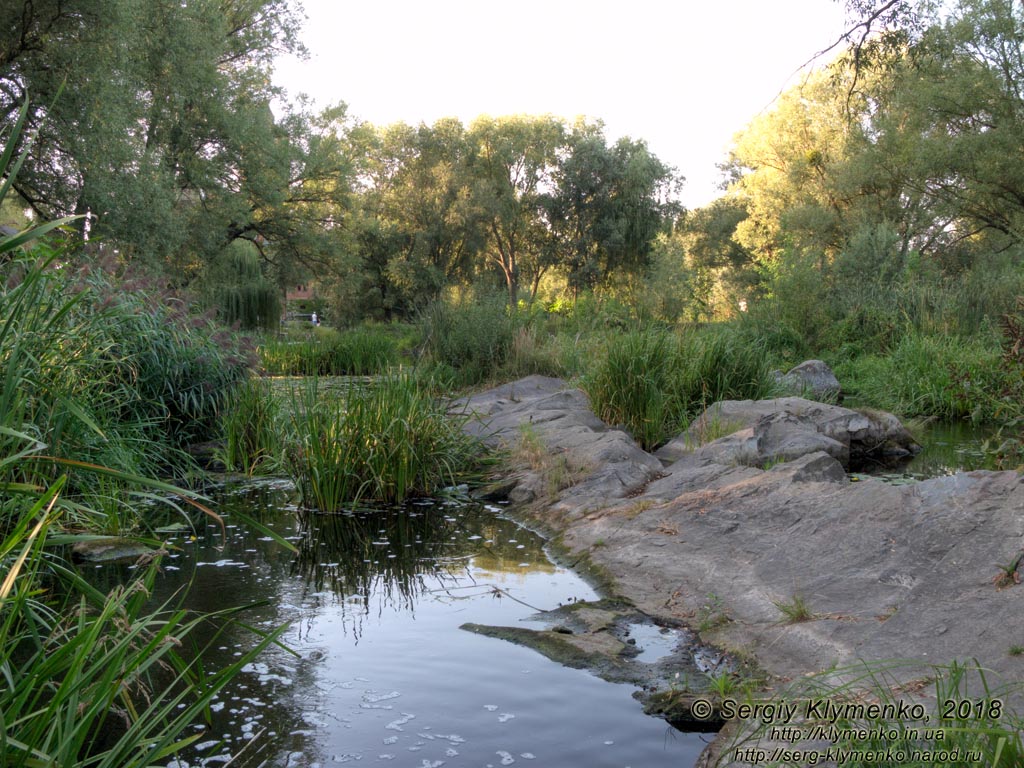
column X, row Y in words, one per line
column 683, row 76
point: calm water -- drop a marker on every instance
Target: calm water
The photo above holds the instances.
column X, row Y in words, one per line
column 947, row 448
column 381, row 673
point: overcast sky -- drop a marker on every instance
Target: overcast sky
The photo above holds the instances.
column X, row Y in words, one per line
column 684, row 76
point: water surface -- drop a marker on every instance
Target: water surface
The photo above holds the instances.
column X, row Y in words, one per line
column 378, row 671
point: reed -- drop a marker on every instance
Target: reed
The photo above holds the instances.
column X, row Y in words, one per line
column 652, row 381
column 360, row 352
column 386, row 442
column 252, row 430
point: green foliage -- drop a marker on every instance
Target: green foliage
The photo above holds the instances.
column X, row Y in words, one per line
column 90, row 679
column 385, row 442
column 251, row 427
column 653, row 382
column 108, row 372
column 156, row 118
column 473, row 339
column 633, row 386
column 234, row 285
column 359, row 352
column 946, row 376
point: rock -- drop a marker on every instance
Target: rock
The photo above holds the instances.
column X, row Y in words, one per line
column 812, row 378
column 782, row 437
column 110, row 549
column 581, row 451
column 887, row 571
column 782, row 429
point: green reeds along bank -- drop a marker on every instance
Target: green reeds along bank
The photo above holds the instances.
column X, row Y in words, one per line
column 386, row 442
column 359, row 352
column 94, row 679
column 653, row 382
column 252, row 430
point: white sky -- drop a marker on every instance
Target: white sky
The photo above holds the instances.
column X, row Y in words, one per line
column 684, row 76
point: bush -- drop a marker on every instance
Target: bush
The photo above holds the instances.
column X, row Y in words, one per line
column 108, row 372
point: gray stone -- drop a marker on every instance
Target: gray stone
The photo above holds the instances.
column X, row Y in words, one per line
column 861, row 433
column 889, row 571
column 812, row 378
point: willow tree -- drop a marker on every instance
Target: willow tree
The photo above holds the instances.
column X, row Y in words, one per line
column 606, row 205
column 153, row 119
column 512, row 166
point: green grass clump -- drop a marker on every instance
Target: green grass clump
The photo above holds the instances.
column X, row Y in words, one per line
column 940, row 376
column 359, row 352
column 472, row 340
column 252, row 430
column 795, row 610
column 633, row 385
column 387, row 442
column 653, row 382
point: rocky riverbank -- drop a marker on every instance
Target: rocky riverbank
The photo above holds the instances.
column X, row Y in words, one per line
column 749, row 530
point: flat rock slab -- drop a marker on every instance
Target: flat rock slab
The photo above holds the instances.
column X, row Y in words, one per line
column 924, row 571
column 602, row 463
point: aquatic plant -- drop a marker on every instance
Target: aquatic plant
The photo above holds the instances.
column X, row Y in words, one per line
column 359, row 352
column 252, row 426
column 385, row 442
column 93, row 679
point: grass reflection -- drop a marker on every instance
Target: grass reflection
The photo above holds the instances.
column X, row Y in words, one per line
column 393, row 556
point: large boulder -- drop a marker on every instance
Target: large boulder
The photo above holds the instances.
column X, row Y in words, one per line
column 812, row 378
column 764, row 432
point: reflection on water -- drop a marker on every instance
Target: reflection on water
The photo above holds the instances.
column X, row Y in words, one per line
column 947, row 448
column 377, row 670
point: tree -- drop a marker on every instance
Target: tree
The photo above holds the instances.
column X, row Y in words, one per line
column 606, row 207
column 153, row 117
column 512, row 165
column 417, row 230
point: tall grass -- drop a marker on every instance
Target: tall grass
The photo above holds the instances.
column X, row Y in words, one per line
column 386, row 442
column 360, row 352
column 92, row 679
column 252, row 423
column 470, row 340
column 653, row 382
column 943, row 376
